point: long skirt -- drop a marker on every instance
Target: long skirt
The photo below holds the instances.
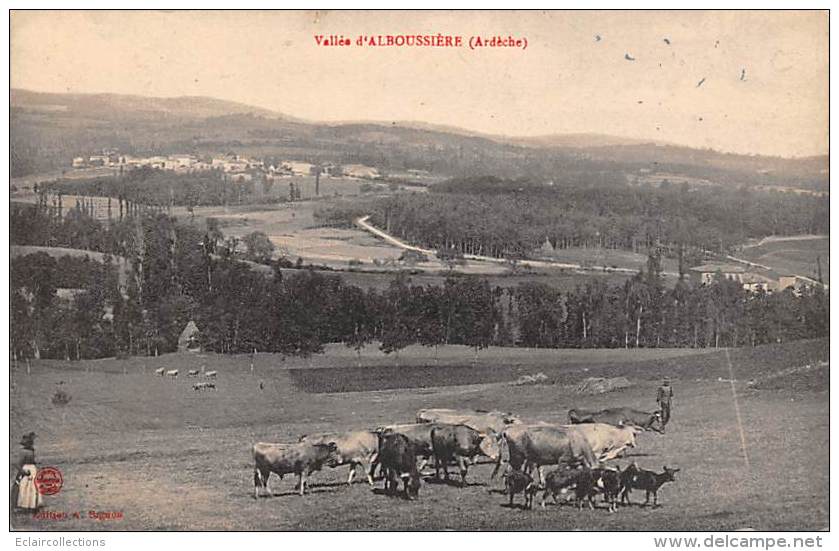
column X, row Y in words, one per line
column 28, row 496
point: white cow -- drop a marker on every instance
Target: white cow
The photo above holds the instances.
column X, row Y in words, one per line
column 354, row 448
column 172, row 373
column 481, row 421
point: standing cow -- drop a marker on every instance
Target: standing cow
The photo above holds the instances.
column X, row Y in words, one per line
column 541, row 445
column 302, row 459
column 354, row 448
column 459, row 442
column 418, row 433
column 399, row 460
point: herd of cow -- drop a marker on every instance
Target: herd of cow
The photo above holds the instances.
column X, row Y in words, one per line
column 580, row 450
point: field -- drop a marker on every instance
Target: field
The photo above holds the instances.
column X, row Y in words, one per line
column 611, row 258
column 792, row 256
column 169, row 458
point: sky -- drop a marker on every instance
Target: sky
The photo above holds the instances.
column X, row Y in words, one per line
column 573, row 77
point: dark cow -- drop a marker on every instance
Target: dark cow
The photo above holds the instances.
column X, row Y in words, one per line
column 302, row 459
column 459, row 442
column 355, row 448
column 634, row 478
column 517, row 482
column 399, row 460
column 617, row 417
column 418, row 433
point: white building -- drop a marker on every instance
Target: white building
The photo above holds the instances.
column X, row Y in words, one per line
column 298, row 168
column 361, row 171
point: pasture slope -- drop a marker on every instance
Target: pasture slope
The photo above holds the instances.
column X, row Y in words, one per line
column 170, row 458
column 792, row 255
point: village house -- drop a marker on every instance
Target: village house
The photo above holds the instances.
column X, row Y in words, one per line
column 705, row 274
column 756, row 282
column 297, row 168
column 361, row 171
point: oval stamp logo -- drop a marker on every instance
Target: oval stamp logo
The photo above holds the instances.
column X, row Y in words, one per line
column 48, row 481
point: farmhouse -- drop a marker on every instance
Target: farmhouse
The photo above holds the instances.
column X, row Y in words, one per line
column 297, row 168
column 230, row 163
column 756, row 282
column 705, row 274
column 361, row 171
column 241, row 177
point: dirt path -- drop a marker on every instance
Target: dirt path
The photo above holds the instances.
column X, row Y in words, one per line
column 778, row 238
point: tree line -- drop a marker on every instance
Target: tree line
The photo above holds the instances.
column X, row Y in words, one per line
column 180, row 272
column 513, row 218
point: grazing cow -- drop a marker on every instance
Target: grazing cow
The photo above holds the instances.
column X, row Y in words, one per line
column 634, row 478
column 160, row 371
column 302, row 459
column 516, row 482
column 481, row 421
column 607, row 441
column 172, row 373
column 354, row 448
column 192, row 372
column 617, row 417
column 204, row 386
column 418, row 433
column 557, row 481
column 541, row 445
column 399, row 460
column 211, row 374
column 458, row 442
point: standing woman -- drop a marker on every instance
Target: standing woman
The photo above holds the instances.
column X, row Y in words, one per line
column 28, row 498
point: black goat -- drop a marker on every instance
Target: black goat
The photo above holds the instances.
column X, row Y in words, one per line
column 590, row 482
column 634, row 478
column 516, row 482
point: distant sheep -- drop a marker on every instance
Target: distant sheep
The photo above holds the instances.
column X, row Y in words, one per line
column 160, row 371
column 211, row 374
column 204, row 386
column 172, row 373
column 192, row 372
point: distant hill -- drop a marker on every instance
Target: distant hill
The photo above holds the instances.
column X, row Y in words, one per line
column 124, row 106
column 48, row 130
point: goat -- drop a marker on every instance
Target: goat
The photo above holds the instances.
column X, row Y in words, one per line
column 516, row 482
column 634, row 478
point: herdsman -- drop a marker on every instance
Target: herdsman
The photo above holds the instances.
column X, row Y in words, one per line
column 664, row 398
